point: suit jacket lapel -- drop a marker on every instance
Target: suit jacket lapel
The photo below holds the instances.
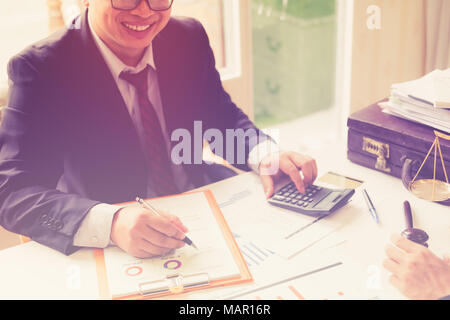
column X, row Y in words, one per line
column 172, row 79
column 165, row 68
column 100, row 82
column 106, row 107
column 174, row 90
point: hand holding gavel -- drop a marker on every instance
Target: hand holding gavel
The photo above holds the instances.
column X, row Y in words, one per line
column 415, row 270
column 416, row 235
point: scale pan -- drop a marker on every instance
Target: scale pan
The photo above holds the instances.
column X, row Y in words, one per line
column 424, row 190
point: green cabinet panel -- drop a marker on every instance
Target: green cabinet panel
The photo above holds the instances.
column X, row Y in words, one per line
column 304, row 9
column 294, row 58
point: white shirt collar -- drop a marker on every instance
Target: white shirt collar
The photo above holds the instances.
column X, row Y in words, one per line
column 115, row 64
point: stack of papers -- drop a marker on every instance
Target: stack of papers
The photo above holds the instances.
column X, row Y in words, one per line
column 426, row 100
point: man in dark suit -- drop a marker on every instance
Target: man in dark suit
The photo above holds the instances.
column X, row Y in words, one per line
column 90, row 122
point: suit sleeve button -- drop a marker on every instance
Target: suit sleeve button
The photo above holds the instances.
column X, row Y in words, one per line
column 58, row 225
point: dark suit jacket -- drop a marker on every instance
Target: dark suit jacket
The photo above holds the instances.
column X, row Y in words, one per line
column 67, row 141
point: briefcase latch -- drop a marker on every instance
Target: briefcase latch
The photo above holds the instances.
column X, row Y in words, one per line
column 381, row 150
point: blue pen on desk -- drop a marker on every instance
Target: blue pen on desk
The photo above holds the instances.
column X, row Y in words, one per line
column 372, row 210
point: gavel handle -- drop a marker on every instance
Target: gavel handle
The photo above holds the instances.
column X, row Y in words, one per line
column 408, row 215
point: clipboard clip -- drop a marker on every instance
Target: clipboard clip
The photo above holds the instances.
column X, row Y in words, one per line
column 175, row 284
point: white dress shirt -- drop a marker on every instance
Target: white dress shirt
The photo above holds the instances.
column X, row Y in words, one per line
column 95, row 229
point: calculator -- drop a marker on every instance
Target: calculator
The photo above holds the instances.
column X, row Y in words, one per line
column 317, row 201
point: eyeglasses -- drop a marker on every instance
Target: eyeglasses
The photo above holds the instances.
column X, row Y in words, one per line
column 154, row 5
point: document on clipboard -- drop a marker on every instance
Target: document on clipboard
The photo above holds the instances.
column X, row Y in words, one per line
column 217, row 262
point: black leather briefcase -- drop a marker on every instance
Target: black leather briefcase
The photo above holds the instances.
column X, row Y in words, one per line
column 393, row 145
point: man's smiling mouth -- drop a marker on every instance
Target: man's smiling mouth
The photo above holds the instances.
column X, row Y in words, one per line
column 137, row 27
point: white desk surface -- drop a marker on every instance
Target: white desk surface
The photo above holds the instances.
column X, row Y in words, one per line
column 32, row 271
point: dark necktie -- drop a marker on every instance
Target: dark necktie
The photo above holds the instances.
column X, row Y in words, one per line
column 159, row 167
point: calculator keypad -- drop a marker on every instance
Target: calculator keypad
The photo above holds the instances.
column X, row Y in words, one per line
column 289, row 194
column 317, row 201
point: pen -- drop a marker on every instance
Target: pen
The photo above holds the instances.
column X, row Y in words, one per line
column 155, row 212
column 369, row 203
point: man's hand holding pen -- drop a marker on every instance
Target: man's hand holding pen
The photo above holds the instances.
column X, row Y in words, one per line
column 142, row 234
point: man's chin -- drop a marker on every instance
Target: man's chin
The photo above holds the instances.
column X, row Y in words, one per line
column 136, row 44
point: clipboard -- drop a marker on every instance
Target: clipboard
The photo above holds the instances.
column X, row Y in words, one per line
column 180, row 283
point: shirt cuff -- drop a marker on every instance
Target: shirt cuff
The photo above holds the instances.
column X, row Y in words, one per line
column 95, row 229
column 259, row 152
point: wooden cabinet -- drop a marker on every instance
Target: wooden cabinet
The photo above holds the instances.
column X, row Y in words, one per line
column 392, row 54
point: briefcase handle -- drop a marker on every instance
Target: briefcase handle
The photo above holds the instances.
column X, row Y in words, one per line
column 409, row 169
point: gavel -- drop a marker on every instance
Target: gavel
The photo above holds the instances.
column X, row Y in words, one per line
column 416, row 235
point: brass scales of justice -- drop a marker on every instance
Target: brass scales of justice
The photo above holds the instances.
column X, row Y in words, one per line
column 432, row 189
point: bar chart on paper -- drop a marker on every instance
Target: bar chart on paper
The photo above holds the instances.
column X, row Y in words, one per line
column 253, row 254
